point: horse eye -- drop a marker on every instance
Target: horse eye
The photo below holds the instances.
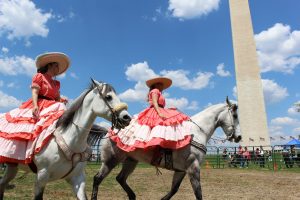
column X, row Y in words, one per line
column 108, row 97
column 235, row 116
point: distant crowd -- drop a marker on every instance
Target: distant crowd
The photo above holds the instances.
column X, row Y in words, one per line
column 242, row 157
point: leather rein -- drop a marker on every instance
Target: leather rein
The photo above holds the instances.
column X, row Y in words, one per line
column 202, row 147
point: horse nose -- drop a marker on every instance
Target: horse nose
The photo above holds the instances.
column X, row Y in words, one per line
column 126, row 118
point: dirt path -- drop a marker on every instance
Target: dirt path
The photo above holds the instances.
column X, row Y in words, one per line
column 228, row 184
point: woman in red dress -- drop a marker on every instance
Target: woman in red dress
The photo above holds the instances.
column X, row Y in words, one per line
column 25, row 130
column 156, row 125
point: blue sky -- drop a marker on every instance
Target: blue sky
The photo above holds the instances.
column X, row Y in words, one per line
column 126, row 42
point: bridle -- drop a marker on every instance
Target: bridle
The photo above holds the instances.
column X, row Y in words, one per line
column 202, row 147
column 116, row 123
column 231, row 135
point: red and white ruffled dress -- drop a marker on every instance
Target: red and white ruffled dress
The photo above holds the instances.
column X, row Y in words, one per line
column 150, row 130
column 22, row 135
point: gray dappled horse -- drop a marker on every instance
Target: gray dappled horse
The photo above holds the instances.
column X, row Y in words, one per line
column 186, row 160
column 65, row 154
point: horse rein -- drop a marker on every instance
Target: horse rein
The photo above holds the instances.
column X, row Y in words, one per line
column 202, row 147
column 230, row 107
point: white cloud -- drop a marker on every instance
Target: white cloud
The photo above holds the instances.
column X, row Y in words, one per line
column 139, row 72
column 296, row 130
column 21, row 18
column 73, row 75
column 295, row 109
column 12, row 85
column 274, row 129
column 184, row 9
column 7, row 101
column 180, row 79
column 276, row 132
column 62, row 76
column 138, row 94
column 193, row 106
column 60, row 18
column 273, row 93
column 4, row 50
column 234, row 91
column 278, row 49
column 181, row 104
column 17, row 65
column 221, row 71
column 285, row 121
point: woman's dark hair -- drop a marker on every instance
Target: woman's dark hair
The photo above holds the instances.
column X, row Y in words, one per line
column 152, row 87
column 43, row 70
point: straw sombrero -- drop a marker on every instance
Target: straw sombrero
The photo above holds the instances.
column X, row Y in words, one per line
column 60, row 58
column 165, row 81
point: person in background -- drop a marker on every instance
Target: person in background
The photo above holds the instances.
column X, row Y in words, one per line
column 240, row 156
column 261, row 157
column 247, row 157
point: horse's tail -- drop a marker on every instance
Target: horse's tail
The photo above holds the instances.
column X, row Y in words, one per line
column 96, row 134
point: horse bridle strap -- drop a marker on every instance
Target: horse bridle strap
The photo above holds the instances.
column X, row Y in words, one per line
column 71, row 156
column 199, row 146
column 114, row 110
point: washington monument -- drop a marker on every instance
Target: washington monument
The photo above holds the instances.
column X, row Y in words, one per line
column 252, row 114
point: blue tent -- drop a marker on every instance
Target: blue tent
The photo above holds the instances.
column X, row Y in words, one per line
column 294, row 142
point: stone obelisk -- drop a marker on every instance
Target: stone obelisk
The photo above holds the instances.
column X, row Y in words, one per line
column 252, row 114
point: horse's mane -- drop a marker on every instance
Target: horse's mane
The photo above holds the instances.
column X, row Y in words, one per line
column 96, row 134
column 67, row 117
column 208, row 109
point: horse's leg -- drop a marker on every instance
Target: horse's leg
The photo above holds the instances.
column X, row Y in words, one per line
column 9, row 174
column 78, row 184
column 194, row 175
column 105, row 169
column 127, row 168
column 40, row 184
column 177, row 179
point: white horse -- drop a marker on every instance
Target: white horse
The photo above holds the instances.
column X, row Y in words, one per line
column 65, row 154
column 185, row 161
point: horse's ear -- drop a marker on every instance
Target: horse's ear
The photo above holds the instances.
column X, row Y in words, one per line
column 228, row 102
column 94, row 82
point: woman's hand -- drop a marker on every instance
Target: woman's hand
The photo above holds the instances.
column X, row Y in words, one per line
column 63, row 100
column 35, row 109
column 35, row 112
column 161, row 115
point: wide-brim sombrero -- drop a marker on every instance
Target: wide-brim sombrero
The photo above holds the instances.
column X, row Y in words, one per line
column 58, row 57
column 163, row 80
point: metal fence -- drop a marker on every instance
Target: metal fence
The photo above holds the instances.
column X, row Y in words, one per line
column 259, row 157
column 276, row 157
